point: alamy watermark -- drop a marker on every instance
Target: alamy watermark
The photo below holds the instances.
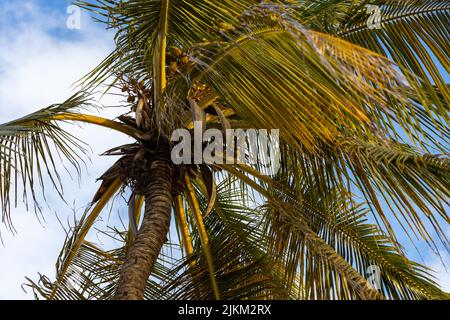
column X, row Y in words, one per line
column 73, row 278
column 373, row 274
column 73, row 21
column 254, row 147
column 374, row 21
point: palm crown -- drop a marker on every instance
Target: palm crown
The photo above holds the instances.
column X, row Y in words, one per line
column 362, row 111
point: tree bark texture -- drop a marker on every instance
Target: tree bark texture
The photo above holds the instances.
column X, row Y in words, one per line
column 152, row 234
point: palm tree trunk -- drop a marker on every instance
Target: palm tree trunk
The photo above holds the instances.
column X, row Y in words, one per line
column 153, row 232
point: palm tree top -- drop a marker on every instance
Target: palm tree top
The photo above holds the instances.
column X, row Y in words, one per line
column 362, row 112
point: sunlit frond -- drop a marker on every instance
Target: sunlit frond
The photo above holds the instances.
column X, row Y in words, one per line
column 413, row 34
column 317, row 82
column 137, row 21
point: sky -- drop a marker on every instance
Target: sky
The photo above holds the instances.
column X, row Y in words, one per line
column 40, row 59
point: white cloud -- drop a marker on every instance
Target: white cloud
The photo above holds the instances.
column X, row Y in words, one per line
column 440, row 267
column 441, row 271
column 38, row 68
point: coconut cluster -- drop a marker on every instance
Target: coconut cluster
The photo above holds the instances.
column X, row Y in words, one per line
column 177, row 61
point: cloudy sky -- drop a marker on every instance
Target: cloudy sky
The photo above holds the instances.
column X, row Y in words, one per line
column 40, row 59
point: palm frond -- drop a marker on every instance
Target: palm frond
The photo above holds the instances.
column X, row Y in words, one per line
column 242, row 269
column 320, row 83
column 413, row 34
column 93, row 275
column 137, row 21
column 312, row 230
column 402, row 186
column 194, row 205
column 412, row 184
column 30, row 149
column 77, row 238
column 345, row 228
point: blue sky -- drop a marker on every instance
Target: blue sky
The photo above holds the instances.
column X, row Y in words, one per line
column 40, row 59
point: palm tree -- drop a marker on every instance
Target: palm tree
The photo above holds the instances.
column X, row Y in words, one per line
column 362, row 112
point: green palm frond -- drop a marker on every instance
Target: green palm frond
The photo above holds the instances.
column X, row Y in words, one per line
column 357, row 283
column 410, row 183
column 242, row 268
column 413, row 34
column 400, row 183
column 30, row 149
column 312, row 82
column 314, row 226
column 345, row 228
column 137, row 21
